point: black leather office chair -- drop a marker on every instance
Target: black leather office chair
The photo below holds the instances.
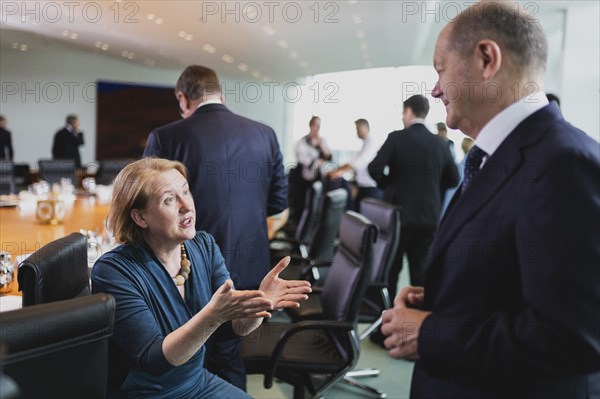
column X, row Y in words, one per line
column 323, row 246
column 55, row 272
column 297, row 352
column 7, row 178
column 54, row 170
column 306, row 229
column 387, row 219
column 109, row 169
column 59, row 350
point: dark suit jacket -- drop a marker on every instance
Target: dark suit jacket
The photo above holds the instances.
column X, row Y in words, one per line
column 66, row 146
column 513, row 278
column 6, row 148
column 237, row 180
column 420, row 169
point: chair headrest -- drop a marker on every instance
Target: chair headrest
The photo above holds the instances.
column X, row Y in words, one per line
column 354, row 228
column 55, row 272
column 384, row 215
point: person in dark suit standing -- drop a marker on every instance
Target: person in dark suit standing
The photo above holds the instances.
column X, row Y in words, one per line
column 6, row 148
column 420, row 169
column 237, row 179
column 511, row 296
column 68, row 140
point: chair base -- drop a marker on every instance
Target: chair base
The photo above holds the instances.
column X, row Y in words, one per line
column 365, row 387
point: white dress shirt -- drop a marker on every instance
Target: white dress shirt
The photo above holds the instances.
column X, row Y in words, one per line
column 501, row 125
column 361, row 161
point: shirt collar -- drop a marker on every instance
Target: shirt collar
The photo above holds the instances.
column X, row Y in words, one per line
column 211, row 101
column 501, row 125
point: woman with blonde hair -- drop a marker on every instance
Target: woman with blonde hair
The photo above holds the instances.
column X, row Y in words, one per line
column 172, row 288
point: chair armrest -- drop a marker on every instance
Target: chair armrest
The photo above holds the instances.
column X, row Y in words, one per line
column 325, row 325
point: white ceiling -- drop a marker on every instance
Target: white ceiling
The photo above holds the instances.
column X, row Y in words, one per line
column 273, row 39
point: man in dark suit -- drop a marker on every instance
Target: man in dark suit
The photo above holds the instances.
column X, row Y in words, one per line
column 6, row 148
column 237, row 179
column 511, row 296
column 420, row 169
column 67, row 141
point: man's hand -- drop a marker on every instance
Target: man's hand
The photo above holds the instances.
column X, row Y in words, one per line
column 402, row 323
column 284, row 293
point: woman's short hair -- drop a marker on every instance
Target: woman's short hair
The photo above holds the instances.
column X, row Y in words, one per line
column 131, row 190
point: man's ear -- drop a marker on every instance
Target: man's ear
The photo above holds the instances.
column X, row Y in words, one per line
column 184, row 102
column 489, row 58
column 138, row 218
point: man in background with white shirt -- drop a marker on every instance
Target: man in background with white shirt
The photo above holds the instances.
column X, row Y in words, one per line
column 367, row 187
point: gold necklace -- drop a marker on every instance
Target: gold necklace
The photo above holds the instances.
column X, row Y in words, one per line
column 186, row 268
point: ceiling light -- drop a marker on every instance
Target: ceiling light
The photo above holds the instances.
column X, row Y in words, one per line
column 98, row 44
column 124, row 53
column 352, row 1
column 23, row 47
column 73, row 36
column 360, row 34
column 255, row 74
column 104, row 47
column 269, row 31
column 182, row 34
column 227, row 58
column 189, row 37
column 243, row 67
column 131, row 56
column 65, row 33
column 283, row 44
column 15, row 45
column 158, row 21
column 209, row 49
column 357, row 19
column 150, row 17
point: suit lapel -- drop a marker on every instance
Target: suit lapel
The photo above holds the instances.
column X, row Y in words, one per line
column 496, row 172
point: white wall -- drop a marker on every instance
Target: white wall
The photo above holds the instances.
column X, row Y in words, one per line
column 42, row 85
column 580, row 94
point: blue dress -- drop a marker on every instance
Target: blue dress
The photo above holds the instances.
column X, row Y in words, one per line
column 149, row 307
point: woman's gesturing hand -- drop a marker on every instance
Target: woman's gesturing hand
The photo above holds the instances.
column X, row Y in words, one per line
column 229, row 304
column 284, row 293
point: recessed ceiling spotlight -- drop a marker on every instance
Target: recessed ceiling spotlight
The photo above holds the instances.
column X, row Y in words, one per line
column 104, row 47
column 15, row 45
column 243, row 67
column 227, row 58
column 73, row 36
column 269, row 31
column 158, row 21
column 131, row 56
column 357, row 19
column 283, row 44
column 124, row 53
column 209, row 48
column 150, row 17
column 189, row 37
column 360, row 34
column 98, row 44
column 255, row 74
column 181, row 34
column 23, row 47
column 65, row 33
column 353, row 1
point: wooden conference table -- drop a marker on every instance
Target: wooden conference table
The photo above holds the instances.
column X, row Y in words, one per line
column 21, row 234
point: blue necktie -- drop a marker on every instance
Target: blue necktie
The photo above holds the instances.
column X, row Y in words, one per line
column 472, row 165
